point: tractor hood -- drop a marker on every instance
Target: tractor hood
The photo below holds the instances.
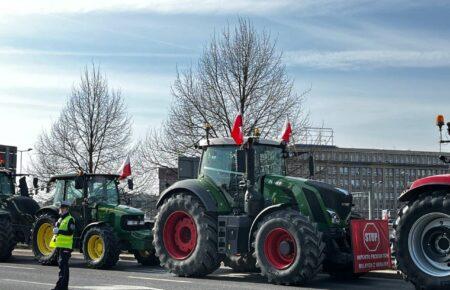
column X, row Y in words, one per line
column 335, row 199
column 435, row 179
column 120, row 210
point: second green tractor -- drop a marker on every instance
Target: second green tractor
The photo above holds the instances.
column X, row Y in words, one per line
column 104, row 227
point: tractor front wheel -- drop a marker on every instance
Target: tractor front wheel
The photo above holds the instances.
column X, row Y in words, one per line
column 41, row 237
column 146, row 257
column 288, row 248
column 7, row 240
column 185, row 237
column 423, row 241
column 101, row 248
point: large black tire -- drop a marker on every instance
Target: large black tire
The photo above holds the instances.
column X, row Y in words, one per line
column 241, row 263
column 107, row 255
column 427, row 209
column 191, row 248
column 146, row 258
column 293, row 231
column 7, row 239
column 40, row 239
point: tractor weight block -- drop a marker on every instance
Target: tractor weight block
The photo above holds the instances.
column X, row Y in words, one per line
column 233, row 234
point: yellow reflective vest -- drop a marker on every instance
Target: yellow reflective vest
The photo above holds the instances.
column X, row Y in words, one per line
column 63, row 241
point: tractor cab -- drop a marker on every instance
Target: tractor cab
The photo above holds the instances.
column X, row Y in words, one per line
column 90, row 189
column 226, row 165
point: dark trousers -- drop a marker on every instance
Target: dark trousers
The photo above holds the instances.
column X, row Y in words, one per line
column 63, row 262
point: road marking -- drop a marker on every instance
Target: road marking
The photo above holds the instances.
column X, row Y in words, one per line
column 159, row 279
column 108, row 287
column 17, row 267
column 28, row 282
column 115, row 287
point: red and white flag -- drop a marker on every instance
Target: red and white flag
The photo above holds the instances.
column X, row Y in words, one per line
column 236, row 132
column 286, row 132
column 125, row 170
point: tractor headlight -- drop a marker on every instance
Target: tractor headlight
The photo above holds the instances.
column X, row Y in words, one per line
column 334, row 217
column 135, row 223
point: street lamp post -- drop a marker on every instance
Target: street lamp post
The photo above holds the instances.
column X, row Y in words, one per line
column 21, row 151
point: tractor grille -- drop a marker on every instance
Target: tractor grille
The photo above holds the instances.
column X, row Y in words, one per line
column 314, row 205
column 138, row 223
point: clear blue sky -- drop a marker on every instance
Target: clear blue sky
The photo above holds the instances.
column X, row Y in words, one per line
column 379, row 72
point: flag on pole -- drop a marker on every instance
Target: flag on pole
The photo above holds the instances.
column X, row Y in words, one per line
column 286, row 132
column 236, row 132
column 125, row 170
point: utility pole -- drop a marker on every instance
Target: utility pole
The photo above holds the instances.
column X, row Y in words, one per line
column 21, row 151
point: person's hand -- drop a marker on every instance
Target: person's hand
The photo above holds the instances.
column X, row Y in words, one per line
column 55, row 231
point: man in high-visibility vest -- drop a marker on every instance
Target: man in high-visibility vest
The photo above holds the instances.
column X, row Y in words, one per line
column 63, row 242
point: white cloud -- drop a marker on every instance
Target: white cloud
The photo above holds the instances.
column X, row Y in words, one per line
column 360, row 59
column 203, row 6
column 158, row 6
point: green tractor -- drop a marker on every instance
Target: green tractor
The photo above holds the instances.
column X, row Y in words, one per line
column 17, row 210
column 244, row 210
column 104, row 227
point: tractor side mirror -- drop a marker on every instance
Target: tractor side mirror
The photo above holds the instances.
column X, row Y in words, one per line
column 130, row 184
column 35, row 183
column 240, row 158
column 79, row 182
column 23, row 187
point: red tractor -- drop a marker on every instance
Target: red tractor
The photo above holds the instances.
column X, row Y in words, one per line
column 423, row 229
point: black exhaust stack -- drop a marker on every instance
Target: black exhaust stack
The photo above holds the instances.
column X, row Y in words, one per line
column 254, row 200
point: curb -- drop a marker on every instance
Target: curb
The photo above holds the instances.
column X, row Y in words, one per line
column 392, row 274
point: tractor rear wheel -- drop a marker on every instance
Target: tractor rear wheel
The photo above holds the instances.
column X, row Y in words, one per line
column 101, row 248
column 288, row 248
column 146, row 257
column 7, row 240
column 241, row 263
column 423, row 241
column 41, row 235
column 185, row 237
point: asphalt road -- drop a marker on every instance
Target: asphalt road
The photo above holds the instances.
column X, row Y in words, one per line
column 22, row 272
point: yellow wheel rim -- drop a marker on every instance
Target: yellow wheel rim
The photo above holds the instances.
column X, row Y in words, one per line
column 44, row 237
column 95, row 247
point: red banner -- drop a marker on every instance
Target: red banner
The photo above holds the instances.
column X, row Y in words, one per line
column 370, row 243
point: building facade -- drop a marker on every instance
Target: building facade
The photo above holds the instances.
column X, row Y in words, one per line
column 381, row 175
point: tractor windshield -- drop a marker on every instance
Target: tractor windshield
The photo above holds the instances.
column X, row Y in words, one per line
column 269, row 160
column 219, row 164
column 102, row 189
column 6, row 185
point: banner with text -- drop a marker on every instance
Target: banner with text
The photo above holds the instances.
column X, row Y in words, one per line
column 370, row 243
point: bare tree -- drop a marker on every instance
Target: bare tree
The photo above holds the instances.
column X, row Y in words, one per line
column 240, row 71
column 92, row 132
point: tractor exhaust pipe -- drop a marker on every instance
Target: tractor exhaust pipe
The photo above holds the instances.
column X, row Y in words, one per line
column 253, row 200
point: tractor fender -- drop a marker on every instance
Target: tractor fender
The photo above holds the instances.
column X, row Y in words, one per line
column 413, row 193
column 89, row 226
column 51, row 209
column 192, row 186
column 261, row 215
